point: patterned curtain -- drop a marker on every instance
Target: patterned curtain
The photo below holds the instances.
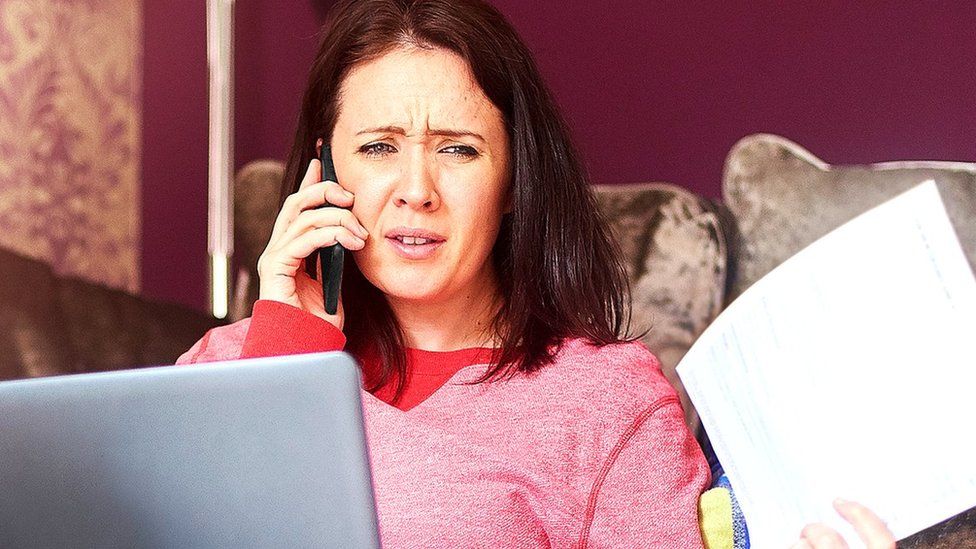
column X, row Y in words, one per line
column 70, row 140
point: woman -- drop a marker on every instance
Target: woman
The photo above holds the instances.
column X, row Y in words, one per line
column 485, row 300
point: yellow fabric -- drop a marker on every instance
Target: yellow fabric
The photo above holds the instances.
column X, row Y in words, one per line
column 715, row 519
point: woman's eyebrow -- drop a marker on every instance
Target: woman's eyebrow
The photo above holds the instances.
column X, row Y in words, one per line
column 455, row 133
column 383, row 129
column 444, row 132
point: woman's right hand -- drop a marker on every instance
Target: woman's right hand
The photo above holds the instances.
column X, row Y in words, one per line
column 301, row 228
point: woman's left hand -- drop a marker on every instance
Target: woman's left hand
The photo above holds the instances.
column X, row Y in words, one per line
column 872, row 530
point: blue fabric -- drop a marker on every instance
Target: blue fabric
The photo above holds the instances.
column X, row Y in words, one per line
column 740, row 533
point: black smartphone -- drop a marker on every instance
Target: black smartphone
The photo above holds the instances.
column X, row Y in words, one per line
column 330, row 257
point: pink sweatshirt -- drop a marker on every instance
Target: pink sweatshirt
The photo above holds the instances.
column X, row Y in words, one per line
column 591, row 451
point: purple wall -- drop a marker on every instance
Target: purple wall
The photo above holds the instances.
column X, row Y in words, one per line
column 662, row 90
column 653, row 91
column 174, row 152
column 274, row 49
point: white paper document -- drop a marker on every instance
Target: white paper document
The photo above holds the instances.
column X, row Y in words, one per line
column 849, row 371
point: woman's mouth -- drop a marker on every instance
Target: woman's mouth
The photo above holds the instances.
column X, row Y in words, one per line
column 413, row 240
column 414, row 243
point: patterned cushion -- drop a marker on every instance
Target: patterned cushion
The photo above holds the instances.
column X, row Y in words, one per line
column 783, row 198
column 674, row 246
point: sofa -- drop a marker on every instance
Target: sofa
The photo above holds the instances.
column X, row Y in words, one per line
column 686, row 256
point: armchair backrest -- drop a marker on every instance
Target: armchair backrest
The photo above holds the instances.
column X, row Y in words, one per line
column 784, row 198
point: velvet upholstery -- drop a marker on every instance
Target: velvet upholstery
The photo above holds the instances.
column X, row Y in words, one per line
column 783, row 198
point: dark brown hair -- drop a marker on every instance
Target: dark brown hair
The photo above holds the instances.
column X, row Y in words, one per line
column 558, row 268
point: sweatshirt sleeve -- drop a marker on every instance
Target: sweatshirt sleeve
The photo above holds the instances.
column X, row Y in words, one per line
column 646, row 494
column 274, row 329
column 281, row 329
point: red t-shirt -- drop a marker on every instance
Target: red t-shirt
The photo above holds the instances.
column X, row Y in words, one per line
column 291, row 329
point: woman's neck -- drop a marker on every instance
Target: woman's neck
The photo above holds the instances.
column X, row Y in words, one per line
column 458, row 322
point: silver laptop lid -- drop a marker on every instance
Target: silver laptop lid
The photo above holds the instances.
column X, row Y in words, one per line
column 250, row 453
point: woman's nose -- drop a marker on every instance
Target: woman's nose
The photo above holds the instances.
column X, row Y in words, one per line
column 416, row 188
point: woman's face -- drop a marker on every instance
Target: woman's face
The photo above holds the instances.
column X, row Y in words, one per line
column 423, row 149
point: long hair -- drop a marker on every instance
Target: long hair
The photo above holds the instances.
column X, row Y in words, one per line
column 558, row 268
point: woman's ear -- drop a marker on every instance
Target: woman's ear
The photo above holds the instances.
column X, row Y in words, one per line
column 318, row 148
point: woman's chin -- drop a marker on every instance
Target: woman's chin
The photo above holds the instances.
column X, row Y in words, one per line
column 410, row 289
column 412, row 296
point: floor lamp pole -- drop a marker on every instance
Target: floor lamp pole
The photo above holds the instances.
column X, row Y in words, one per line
column 220, row 220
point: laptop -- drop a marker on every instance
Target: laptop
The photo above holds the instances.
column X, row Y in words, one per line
column 251, row 453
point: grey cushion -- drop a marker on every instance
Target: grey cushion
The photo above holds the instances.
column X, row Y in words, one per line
column 783, row 198
column 674, row 246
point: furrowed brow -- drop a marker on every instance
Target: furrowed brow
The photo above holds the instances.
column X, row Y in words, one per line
column 383, row 129
column 439, row 132
column 455, row 133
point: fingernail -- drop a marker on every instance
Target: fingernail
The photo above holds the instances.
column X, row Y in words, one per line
column 361, row 231
column 349, row 194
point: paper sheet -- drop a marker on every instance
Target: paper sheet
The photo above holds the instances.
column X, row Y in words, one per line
column 848, row 371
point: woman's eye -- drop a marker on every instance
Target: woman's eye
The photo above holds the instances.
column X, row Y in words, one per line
column 463, row 151
column 377, row 149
